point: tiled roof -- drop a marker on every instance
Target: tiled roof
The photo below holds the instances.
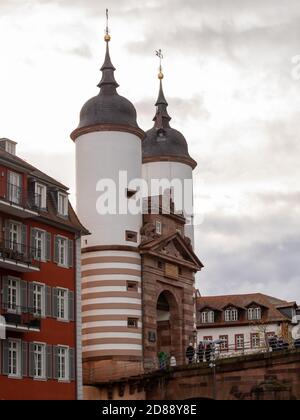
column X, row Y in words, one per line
column 272, row 304
column 71, row 222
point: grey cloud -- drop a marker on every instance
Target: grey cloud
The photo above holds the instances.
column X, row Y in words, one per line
column 184, row 109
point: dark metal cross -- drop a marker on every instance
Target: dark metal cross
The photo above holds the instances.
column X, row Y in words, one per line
column 107, row 29
column 160, row 56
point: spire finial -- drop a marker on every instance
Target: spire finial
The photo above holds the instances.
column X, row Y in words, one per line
column 160, row 56
column 107, row 37
column 162, row 117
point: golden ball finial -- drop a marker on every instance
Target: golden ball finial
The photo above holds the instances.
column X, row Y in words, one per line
column 160, row 75
column 107, row 38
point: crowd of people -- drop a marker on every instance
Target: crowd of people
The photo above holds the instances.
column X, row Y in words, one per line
column 206, row 351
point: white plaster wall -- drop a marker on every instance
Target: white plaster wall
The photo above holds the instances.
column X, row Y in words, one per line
column 171, row 171
column 99, row 156
column 231, row 331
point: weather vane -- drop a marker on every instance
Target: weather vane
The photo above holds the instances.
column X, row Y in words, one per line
column 107, row 36
column 160, row 56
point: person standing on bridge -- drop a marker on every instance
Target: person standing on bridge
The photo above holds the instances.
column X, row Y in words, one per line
column 190, row 352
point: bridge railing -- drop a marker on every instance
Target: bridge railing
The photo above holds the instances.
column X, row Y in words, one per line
column 167, row 362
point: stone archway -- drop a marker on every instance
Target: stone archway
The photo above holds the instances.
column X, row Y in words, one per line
column 169, row 326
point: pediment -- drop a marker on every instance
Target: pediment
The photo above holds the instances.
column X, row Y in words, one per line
column 173, row 248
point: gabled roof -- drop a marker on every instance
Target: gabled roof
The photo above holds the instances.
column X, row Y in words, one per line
column 172, row 248
column 71, row 222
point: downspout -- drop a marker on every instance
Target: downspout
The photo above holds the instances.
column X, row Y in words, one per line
column 78, row 321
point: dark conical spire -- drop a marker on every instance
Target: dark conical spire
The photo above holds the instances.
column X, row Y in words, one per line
column 162, row 118
column 108, row 84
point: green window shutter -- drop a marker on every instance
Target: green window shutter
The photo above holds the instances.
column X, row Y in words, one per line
column 30, row 297
column 70, row 253
column 55, row 362
column 32, row 242
column 54, row 303
column 5, row 355
column 48, row 246
column 49, row 361
column 71, row 305
column 31, row 360
column 23, row 291
column 48, row 299
column 24, row 349
column 56, row 249
column 72, row 364
column 4, row 291
column 6, row 233
column 23, row 239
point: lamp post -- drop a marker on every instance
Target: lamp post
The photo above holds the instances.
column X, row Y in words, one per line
column 213, row 367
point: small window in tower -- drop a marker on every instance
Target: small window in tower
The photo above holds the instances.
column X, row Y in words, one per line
column 131, row 193
column 132, row 322
column 158, row 227
column 160, row 264
column 132, row 286
column 131, row 236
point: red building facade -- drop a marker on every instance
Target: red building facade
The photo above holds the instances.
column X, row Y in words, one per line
column 40, row 284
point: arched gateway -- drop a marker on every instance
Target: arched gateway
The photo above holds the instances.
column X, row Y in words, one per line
column 168, row 289
column 168, row 325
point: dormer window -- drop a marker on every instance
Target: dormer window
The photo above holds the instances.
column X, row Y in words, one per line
column 8, row 145
column 231, row 314
column 208, row 317
column 254, row 314
column 62, row 204
column 40, row 195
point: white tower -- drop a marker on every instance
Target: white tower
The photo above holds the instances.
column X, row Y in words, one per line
column 166, row 156
column 108, row 140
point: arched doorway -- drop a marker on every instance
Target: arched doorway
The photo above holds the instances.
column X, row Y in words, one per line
column 169, row 326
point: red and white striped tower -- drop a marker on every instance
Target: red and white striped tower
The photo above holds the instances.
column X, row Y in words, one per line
column 108, row 140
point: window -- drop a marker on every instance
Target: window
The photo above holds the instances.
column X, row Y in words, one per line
column 132, row 323
column 254, row 314
column 131, row 193
column 208, row 338
column 14, row 239
column 208, row 317
column 40, row 195
column 13, row 295
column 39, row 245
column 14, row 187
column 239, row 342
column 38, row 299
column 63, row 363
column 62, row 304
column 39, row 356
column 160, row 264
column 255, row 340
column 132, row 286
column 231, row 315
column 62, row 251
column 62, row 204
column 158, row 227
column 14, row 358
column 224, row 345
column 130, row 236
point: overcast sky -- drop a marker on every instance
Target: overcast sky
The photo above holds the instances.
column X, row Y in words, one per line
column 232, row 91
